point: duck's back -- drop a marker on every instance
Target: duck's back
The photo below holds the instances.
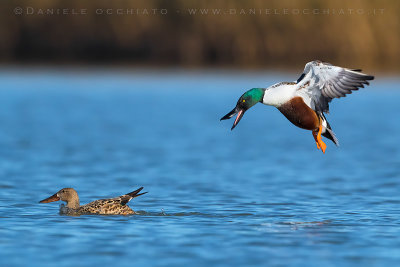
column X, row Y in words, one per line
column 106, row 207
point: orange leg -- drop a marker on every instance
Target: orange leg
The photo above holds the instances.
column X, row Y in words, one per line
column 318, row 140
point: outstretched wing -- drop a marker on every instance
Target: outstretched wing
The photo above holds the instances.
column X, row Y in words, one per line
column 321, row 82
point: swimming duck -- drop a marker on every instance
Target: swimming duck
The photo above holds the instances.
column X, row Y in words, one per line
column 115, row 206
column 305, row 101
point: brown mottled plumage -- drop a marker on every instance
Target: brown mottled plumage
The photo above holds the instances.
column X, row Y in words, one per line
column 111, row 206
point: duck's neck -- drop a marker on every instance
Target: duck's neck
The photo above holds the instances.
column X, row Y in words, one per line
column 73, row 203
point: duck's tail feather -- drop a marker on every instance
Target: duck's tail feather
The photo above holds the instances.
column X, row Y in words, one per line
column 331, row 136
column 127, row 197
column 327, row 130
column 135, row 193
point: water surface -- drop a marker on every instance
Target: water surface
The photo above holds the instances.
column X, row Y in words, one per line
column 259, row 195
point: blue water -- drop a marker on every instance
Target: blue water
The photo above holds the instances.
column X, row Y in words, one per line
column 259, row 195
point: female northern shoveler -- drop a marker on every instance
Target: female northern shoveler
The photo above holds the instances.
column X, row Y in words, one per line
column 305, row 101
column 116, row 206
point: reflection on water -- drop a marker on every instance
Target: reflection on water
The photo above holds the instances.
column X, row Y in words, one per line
column 261, row 194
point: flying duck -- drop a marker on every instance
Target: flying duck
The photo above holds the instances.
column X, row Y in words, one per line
column 111, row 206
column 305, row 101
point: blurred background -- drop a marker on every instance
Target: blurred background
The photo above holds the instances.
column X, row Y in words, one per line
column 233, row 34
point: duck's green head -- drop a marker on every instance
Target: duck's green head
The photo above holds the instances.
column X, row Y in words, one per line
column 246, row 101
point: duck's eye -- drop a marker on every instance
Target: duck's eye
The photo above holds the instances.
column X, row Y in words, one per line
column 244, row 100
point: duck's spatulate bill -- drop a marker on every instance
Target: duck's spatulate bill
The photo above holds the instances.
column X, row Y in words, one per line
column 50, row 199
column 230, row 114
column 238, row 118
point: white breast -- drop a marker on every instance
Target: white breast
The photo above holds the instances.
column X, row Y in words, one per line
column 279, row 94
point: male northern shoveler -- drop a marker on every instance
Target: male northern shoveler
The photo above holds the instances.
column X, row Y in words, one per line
column 115, row 206
column 305, row 101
